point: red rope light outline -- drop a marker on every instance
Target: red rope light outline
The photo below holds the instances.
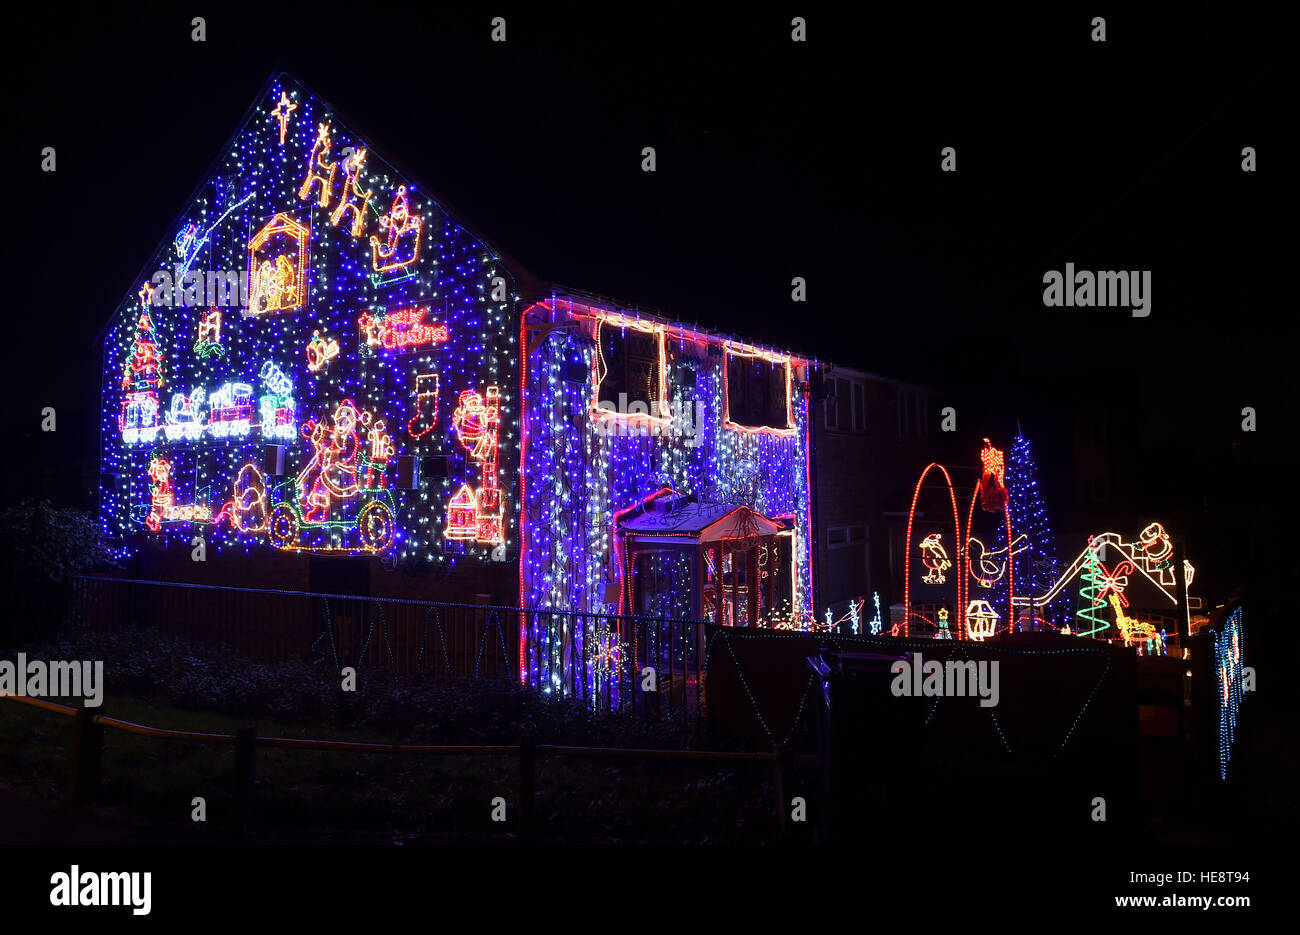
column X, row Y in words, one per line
column 790, row 428
column 961, row 552
column 523, row 493
column 1011, row 613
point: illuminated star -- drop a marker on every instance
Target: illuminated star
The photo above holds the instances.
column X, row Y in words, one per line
column 282, row 110
column 146, row 294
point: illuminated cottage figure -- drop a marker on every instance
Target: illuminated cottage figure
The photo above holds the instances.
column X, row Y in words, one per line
column 462, row 515
column 404, row 395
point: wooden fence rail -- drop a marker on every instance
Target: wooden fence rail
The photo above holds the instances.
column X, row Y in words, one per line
column 86, row 751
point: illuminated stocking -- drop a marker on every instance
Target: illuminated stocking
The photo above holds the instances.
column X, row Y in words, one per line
column 426, row 405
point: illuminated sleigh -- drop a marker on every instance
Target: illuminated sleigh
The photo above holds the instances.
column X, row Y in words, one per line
column 364, row 515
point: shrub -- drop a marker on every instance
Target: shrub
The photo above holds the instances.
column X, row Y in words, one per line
column 42, row 550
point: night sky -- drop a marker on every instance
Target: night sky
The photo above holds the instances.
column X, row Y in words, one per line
column 775, row 159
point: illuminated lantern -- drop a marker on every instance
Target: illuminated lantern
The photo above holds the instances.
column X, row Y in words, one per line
column 981, row 620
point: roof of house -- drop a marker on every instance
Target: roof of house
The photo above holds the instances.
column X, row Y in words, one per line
column 527, row 283
column 529, row 287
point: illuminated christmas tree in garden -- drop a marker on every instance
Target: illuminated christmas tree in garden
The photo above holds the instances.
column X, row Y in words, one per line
column 1036, row 567
column 1091, row 605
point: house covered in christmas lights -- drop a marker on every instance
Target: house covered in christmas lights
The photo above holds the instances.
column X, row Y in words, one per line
column 329, row 381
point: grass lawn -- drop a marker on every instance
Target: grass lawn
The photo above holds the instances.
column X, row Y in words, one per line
column 343, row 795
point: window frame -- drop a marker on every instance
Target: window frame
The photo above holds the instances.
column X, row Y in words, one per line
column 849, row 541
column 781, row 360
column 850, row 410
column 615, row 320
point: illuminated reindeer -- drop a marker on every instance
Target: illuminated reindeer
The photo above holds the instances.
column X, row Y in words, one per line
column 318, row 170
column 1133, row 631
column 351, row 177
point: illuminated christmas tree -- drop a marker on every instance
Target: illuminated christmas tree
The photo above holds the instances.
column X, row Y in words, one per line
column 1090, row 601
column 143, row 369
column 1036, row 567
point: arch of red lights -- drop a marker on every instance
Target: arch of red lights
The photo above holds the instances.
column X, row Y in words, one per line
column 959, row 544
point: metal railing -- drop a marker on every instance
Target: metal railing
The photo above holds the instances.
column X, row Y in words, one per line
column 603, row 660
column 392, row 635
column 618, row 663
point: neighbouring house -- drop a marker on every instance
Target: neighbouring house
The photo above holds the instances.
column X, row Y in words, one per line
column 323, row 380
column 869, row 432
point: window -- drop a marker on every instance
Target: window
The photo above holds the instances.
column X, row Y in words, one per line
column 912, row 410
column 629, row 367
column 1090, row 429
column 903, row 410
column 758, row 392
column 846, row 405
column 845, row 574
column 1094, row 487
column 832, row 407
column 838, row 537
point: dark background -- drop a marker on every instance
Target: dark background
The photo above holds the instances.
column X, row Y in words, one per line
column 775, row 159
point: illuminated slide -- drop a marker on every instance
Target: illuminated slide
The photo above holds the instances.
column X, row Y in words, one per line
column 1151, row 555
